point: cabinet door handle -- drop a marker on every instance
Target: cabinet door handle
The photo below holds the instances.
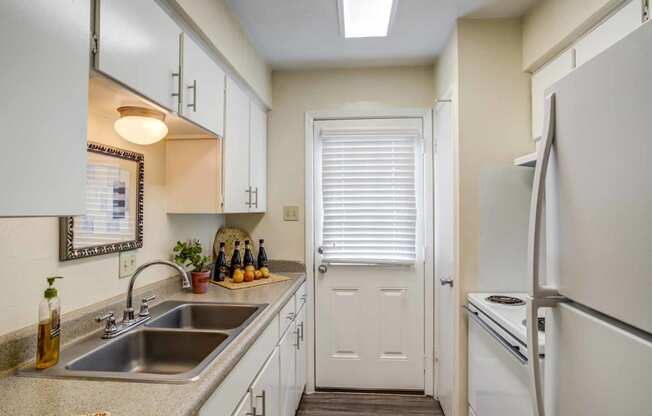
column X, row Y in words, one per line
column 255, row 191
column 193, row 87
column 301, row 326
column 177, row 94
column 297, row 345
column 248, row 203
column 263, row 399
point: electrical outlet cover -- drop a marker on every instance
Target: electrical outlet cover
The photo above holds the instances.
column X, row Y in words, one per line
column 291, row 213
column 127, row 263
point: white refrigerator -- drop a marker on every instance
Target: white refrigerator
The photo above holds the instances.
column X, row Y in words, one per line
column 593, row 186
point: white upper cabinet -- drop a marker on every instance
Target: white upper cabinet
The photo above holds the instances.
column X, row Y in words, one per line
column 45, row 55
column 258, row 159
column 138, row 45
column 245, row 153
column 203, row 87
column 237, row 193
column 616, row 27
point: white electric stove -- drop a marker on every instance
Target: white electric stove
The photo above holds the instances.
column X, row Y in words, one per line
column 498, row 373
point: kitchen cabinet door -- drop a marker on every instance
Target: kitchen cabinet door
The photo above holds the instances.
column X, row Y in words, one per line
column 265, row 390
column 301, row 356
column 203, row 87
column 244, row 407
column 138, row 45
column 287, row 351
column 237, row 193
column 258, row 158
column 45, row 55
column 552, row 72
column 613, row 29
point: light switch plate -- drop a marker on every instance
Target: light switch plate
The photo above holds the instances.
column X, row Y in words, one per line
column 127, row 264
column 291, row 213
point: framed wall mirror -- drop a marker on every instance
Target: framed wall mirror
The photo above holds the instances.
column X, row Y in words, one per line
column 115, row 180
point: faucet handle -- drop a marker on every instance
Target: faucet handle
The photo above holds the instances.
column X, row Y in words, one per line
column 109, row 317
column 144, row 306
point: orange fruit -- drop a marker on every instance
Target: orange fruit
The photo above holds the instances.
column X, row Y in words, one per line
column 238, row 276
column 258, row 274
column 249, row 276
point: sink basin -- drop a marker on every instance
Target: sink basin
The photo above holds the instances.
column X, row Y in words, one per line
column 179, row 341
column 201, row 316
column 151, row 351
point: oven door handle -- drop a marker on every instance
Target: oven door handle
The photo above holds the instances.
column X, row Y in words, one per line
column 495, row 335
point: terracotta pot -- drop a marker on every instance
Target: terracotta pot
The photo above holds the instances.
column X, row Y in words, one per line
column 200, row 282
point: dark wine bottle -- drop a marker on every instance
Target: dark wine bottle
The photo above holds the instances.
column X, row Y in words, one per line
column 262, row 255
column 219, row 268
column 248, row 257
column 236, row 263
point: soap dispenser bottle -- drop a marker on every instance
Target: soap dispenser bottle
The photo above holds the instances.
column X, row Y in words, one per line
column 49, row 327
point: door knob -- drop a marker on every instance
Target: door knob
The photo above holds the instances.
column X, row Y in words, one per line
column 322, row 268
column 447, row 281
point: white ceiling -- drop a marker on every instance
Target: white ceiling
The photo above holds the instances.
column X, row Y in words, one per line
column 292, row 34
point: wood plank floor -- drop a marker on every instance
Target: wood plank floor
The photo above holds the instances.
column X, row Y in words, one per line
column 367, row 404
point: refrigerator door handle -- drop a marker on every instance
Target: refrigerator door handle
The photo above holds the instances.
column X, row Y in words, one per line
column 537, row 205
column 533, row 363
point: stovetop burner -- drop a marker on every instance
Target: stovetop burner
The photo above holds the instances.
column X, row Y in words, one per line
column 541, row 324
column 505, row 300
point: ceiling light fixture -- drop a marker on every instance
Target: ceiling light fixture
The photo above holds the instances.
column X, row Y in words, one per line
column 366, row 18
column 141, row 125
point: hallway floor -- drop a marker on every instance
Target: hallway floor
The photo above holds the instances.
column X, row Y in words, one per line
column 365, row 404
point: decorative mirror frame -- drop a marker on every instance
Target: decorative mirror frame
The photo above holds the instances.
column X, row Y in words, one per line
column 67, row 251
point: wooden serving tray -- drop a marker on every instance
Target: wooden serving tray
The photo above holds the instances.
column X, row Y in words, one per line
column 273, row 278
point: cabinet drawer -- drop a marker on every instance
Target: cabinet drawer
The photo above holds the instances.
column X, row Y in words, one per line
column 301, row 296
column 286, row 316
column 224, row 400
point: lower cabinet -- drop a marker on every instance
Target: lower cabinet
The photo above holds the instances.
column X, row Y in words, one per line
column 288, row 350
column 265, row 391
column 270, row 378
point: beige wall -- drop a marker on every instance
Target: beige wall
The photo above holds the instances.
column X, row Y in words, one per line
column 552, row 25
column 223, row 29
column 491, row 95
column 29, row 248
column 295, row 93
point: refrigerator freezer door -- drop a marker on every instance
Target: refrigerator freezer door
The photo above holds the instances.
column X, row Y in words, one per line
column 594, row 367
column 599, row 183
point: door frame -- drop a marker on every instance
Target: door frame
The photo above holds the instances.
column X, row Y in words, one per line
column 426, row 114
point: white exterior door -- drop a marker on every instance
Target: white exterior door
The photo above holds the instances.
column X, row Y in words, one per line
column 370, row 248
column 445, row 255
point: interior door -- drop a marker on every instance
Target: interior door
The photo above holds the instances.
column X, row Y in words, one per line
column 445, row 255
column 369, row 253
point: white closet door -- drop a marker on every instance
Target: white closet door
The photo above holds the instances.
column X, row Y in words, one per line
column 616, row 27
column 44, row 81
column 237, row 193
column 552, row 72
column 139, row 46
column 203, row 87
column 258, row 158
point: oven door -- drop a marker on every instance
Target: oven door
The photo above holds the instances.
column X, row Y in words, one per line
column 498, row 375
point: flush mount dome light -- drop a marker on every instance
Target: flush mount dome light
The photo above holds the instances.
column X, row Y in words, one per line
column 366, row 18
column 141, row 125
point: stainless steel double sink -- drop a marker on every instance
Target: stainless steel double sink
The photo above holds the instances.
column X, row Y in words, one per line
column 174, row 346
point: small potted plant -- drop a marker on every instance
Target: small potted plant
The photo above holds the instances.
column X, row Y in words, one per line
column 188, row 254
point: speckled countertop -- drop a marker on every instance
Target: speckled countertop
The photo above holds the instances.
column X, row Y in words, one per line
column 69, row 397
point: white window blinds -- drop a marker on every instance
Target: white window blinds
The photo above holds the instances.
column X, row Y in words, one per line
column 368, row 196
